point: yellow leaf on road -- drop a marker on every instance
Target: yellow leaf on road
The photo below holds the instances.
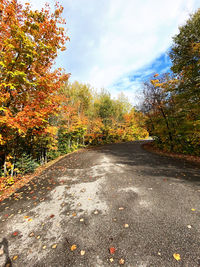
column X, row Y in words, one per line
column 73, row 247
column 15, row 257
column 177, row 256
column 82, row 252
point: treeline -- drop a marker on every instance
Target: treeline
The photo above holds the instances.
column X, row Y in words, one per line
column 42, row 115
column 172, row 101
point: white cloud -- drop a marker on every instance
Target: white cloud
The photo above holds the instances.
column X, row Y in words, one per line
column 110, row 38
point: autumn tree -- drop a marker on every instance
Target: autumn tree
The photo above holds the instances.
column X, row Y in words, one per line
column 29, row 44
column 185, row 56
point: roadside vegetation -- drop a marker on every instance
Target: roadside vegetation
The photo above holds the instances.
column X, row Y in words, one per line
column 172, row 100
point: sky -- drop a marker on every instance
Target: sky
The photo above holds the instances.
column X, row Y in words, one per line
column 118, row 44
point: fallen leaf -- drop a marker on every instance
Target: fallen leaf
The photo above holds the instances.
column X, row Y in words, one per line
column 193, row 209
column 81, row 220
column 25, row 217
column 189, row 226
column 73, row 247
column 159, row 253
column 82, row 252
column 1, row 251
column 112, row 250
column 111, row 259
column 44, row 247
column 177, row 256
column 96, row 212
column 15, row 233
column 15, row 257
column 121, row 208
column 52, row 215
column 74, row 214
column 30, row 220
column 121, row 261
column 54, row 246
column 126, row 225
column 38, row 237
column 31, row 234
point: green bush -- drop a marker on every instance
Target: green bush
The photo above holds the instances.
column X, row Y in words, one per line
column 26, row 164
column 53, row 154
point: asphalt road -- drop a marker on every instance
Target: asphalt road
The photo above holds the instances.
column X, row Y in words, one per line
column 142, row 206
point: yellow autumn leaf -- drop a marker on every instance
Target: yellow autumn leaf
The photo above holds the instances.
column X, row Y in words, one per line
column 15, row 257
column 82, row 252
column 177, row 256
column 73, row 247
column 193, row 209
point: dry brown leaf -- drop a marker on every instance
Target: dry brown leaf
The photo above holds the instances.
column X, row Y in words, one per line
column 121, row 261
column 31, row 234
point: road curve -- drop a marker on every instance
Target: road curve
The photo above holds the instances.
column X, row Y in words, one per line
column 120, row 196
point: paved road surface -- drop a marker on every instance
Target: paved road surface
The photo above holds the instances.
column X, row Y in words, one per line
column 145, row 206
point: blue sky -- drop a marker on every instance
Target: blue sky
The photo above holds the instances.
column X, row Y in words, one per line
column 117, row 44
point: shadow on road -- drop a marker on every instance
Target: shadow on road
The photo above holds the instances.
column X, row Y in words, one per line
column 150, row 164
column 6, row 258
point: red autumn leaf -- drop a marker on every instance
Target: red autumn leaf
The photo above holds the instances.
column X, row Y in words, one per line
column 15, row 233
column 52, row 215
column 112, row 250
